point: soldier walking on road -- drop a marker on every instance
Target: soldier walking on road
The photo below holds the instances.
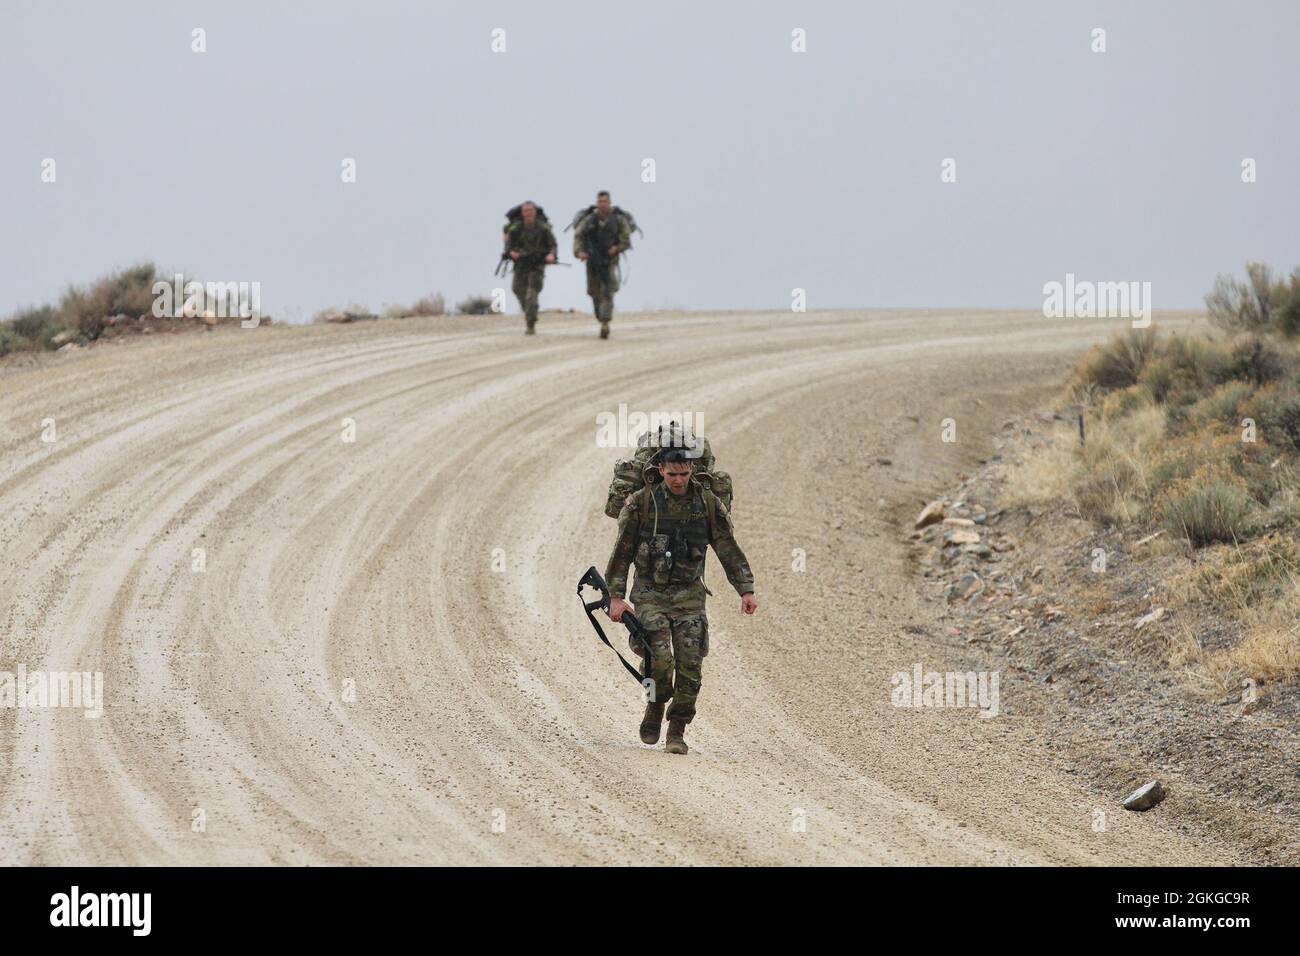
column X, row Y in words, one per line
column 530, row 243
column 664, row 530
column 603, row 233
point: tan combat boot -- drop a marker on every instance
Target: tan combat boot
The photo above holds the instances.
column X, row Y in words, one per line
column 654, row 717
column 676, row 742
column 604, row 330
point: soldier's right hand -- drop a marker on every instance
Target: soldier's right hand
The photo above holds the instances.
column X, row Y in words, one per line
column 515, row 255
column 582, row 256
column 616, row 608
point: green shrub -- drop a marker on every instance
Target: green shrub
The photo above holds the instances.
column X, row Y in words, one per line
column 475, row 305
column 29, row 329
column 430, row 305
column 1220, row 407
column 35, row 324
column 1186, row 368
column 1286, row 316
column 1254, row 359
column 127, row 292
column 11, row 341
column 1207, row 508
column 1119, row 362
column 1275, row 410
column 1242, row 306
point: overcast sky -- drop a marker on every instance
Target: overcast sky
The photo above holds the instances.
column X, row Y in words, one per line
column 773, row 169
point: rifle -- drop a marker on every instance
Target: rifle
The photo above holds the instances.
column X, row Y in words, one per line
column 600, row 260
column 598, row 257
column 503, row 264
column 593, row 579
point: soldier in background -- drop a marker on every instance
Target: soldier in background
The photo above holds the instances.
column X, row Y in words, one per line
column 530, row 244
column 601, row 236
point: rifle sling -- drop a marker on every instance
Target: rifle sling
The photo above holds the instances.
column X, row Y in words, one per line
column 633, row 625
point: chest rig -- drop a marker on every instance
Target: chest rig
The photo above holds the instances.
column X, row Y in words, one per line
column 673, row 538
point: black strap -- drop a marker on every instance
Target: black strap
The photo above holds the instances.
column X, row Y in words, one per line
column 593, row 579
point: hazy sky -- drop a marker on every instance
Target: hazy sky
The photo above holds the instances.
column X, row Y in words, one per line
column 774, row 169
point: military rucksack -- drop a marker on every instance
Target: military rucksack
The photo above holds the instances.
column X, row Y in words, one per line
column 633, row 474
column 582, row 214
column 516, row 213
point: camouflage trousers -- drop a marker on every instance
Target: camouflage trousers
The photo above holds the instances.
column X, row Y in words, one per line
column 678, row 646
column 527, row 286
column 602, row 283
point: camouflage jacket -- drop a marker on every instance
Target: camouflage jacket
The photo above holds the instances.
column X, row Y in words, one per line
column 535, row 242
column 594, row 235
column 665, row 537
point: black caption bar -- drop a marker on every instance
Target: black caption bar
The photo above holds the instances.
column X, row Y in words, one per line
column 342, row 904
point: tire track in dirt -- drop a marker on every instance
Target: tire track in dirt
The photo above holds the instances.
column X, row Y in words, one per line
column 481, row 697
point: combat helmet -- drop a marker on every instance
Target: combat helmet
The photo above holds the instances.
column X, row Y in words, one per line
column 677, row 438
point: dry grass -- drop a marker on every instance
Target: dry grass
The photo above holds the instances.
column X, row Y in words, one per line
column 1195, row 434
column 1106, row 479
column 1258, row 584
column 1043, row 476
column 1269, row 651
column 1113, row 486
column 1201, row 437
column 435, row 304
column 1184, row 650
column 1238, row 577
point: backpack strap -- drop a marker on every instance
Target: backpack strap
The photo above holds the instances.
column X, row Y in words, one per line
column 710, row 504
column 711, row 515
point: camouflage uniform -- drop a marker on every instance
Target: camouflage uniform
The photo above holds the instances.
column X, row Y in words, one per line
column 666, row 536
column 535, row 243
column 594, row 236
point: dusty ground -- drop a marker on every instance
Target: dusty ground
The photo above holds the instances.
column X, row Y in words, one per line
column 488, row 724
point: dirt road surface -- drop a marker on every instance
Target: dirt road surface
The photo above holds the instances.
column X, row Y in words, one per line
column 326, row 651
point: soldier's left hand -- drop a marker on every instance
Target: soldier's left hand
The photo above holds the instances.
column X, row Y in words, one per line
column 748, row 604
column 550, row 257
column 613, row 250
